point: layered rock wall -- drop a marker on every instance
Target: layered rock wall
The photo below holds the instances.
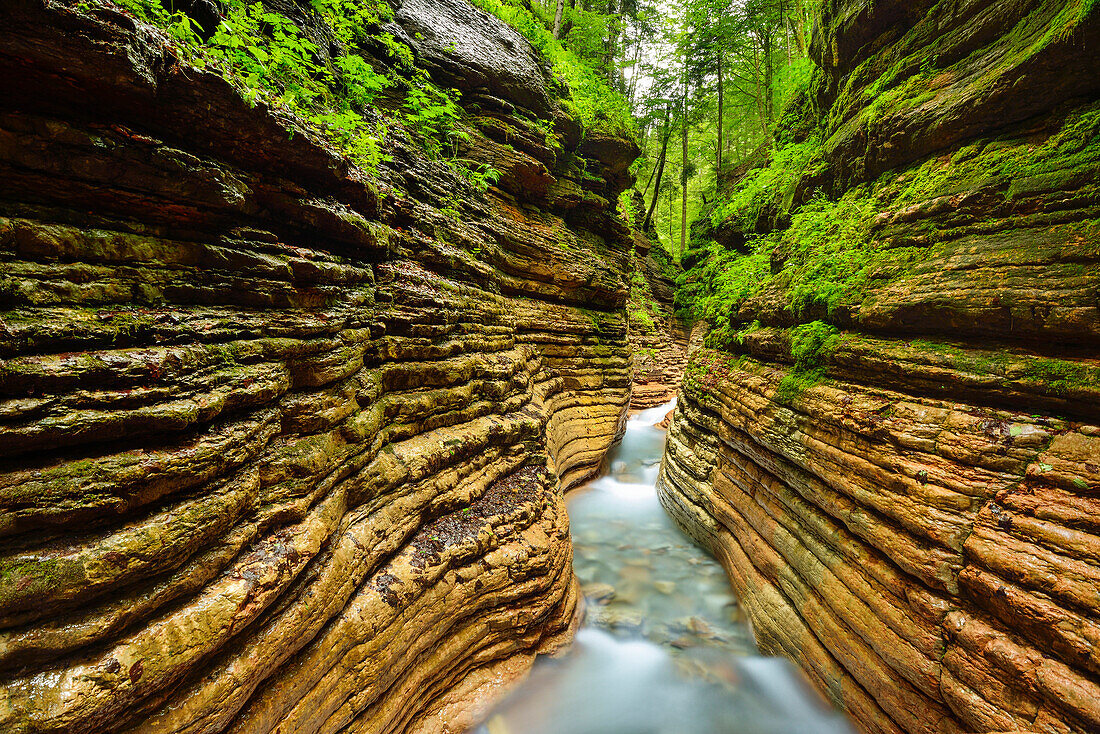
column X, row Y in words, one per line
column 905, row 493
column 658, row 338
column 282, row 446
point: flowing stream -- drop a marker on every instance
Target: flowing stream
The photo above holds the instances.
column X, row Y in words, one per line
column 664, row 648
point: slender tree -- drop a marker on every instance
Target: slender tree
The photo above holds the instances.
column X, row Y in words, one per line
column 721, row 87
column 684, row 167
column 660, row 172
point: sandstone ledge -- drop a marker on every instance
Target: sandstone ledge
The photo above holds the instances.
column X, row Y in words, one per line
column 281, row 445
column 930, row 563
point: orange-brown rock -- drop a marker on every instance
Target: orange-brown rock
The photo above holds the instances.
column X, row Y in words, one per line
column 905, row 493
column 658, row 338
column 282, row 446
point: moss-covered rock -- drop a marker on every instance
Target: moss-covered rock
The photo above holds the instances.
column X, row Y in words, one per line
column 284, row 444
column 893, row 448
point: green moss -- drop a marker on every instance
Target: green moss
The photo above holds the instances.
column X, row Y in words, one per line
column 22, row 579
column 795, row 382
column 1067, row 159
column 642, row 320
column 1060, row 376
column 978, row 362
column 811, row 344
column 708, row 370
column 830, row 250
column 770, row 184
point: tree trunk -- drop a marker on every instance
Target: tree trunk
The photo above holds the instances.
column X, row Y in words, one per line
column 567, row 23
column 768, row 44
column 634, row 71
column 721, row 117
column 683, row 173
column 652, row 173
column 785, row 18
column 557, row 18
column 800, row 27
column 660, row 173
column 611, row 45
column 671, row 219
column 761, row 109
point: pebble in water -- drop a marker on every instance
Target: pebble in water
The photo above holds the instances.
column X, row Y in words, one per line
column 664, row 648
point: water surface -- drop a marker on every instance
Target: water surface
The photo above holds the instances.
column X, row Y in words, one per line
column 665, row 647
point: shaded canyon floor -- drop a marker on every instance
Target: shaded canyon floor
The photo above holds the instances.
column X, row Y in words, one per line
column 664, row 646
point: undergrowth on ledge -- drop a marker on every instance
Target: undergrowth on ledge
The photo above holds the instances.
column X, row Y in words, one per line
column 600, row 108
column 828, row 253
column 269, row 59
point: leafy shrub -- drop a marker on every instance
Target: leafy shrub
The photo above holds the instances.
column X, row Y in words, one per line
column 642, row 320
column 268, row 58
column 829, row 250
column 770, row 183
column 599, row 108
column 811, row 343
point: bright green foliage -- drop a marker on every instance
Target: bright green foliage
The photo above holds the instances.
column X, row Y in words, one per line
column 481, row 175
column 642, row 320
column 432, row 113
column 793, row 79
column 266, row 55
column 359, row 83
column 772, row 183
column 352, row 19
column 266, row 52
column 810, row 345
column 150, row 12
column 829, row 250
column 722, row 282
column 796, row 382
column 829, row 255
column 599, row 108
column 626, row 209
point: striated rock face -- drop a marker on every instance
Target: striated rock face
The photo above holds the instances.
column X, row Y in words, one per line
column 658, row 338
column 907, row 498
column 283, row 448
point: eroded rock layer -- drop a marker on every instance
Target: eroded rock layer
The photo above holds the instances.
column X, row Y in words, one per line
column 907, row 497
column 658, row 339
column 282, row 447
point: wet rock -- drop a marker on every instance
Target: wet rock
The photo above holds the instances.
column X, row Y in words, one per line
column 700, row 627
column 665, row 587
column 917, row 528
column 617, row 618
column 467, row 48
column 283, row 444
column 599, row 593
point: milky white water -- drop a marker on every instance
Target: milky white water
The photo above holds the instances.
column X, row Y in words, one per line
column 664, row 648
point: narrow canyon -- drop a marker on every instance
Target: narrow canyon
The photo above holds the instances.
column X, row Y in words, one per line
column 314, row 313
